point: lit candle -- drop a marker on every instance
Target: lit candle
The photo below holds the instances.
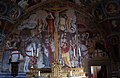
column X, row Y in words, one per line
column 32, row 66
column 32, row 51
column 79, row 52
column 74, row 52
column 37, row 52
column 71, row 73
column 39, row 73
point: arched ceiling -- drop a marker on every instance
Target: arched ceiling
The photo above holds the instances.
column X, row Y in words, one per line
column 98, row 12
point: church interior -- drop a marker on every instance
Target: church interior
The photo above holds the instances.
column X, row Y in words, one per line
column 59, row 38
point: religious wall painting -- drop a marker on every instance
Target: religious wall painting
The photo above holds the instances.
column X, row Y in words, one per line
column 29, row 23
column 44, row 34
column 97, row 12
column 110, row 26
column 114, row 46
column 68, row 41
column 3, row 7
column 2, row 36
column 4, row 30
column 91, row 42
column 11, row 46
column 115, row 25
column 85, row 2
column 81, row 23
column 39, row 39
column 107, row 26
column 114, row 39
column 112, row 8
column 24, row 4
column 68, row 49
column 95, row 1
column 62, row 22
column 14, row 12
column 67, row 20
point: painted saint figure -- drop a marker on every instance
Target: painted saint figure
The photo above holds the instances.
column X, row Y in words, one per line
column 65, row 51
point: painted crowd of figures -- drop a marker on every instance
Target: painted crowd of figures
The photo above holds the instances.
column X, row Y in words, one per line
column 35, row 46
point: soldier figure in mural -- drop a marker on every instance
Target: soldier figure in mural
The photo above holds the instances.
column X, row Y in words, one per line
column 31, row 53
column 40, row 61
column 11, row 57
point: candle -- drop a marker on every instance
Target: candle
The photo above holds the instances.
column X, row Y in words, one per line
column 37, row 52
column 32, row 66
column 70, row 73
column 74, row 52
column 39, row 73
column 32, row 51
column 79, row 52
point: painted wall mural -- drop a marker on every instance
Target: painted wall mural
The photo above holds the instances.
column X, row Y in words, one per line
column 34, row 42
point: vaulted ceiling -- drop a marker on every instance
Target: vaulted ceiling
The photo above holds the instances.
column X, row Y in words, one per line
column 102, row 14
